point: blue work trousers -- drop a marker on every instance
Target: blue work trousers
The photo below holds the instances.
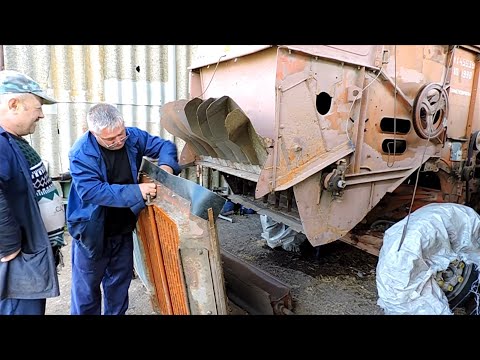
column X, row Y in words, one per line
column 22, row 306
column 113, row 270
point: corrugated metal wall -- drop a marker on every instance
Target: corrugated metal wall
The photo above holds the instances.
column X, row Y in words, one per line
column 139, row 79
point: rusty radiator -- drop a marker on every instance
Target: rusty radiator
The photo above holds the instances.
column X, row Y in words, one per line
column 179, row 246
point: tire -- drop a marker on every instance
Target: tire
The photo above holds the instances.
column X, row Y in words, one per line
column 461, row 293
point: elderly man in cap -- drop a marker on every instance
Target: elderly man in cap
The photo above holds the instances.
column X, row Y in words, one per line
column 32, row 217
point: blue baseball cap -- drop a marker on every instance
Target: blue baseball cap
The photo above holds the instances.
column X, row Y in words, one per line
column 14, row 82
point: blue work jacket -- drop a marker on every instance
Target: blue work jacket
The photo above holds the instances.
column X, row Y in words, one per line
column 32, row 273
column 90, row 192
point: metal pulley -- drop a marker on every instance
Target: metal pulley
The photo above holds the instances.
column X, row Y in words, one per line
column 430, row 110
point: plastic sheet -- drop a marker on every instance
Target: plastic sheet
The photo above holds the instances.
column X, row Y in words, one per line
column 436, row 235
column 278, row 234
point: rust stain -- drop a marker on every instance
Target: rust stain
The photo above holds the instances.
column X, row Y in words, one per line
column 169, row 241
column 160, row 238
column 177, row 257
column 288, row 64
column 155, row 268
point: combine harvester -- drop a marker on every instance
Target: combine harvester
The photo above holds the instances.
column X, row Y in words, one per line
column 338, row 142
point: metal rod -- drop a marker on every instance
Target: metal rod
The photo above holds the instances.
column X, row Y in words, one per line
column 225, row 218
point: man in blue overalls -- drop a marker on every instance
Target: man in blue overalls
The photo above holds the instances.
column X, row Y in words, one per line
column 103, row 206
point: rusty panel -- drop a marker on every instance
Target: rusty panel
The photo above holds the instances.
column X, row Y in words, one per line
column 475, row 105
column 460, row 92
column 364, row 55
column 169, row 242
column 327, row 218
column 206, row 55
column 153, row 262
column 305, row 140
column 181, row 254
column 198, row 278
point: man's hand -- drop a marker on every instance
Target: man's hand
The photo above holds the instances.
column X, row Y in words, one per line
column 166, row 168
column 148, row 189
column 10, row 257
column 57, row 255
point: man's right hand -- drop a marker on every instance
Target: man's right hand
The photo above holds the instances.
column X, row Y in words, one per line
column 148, row 189
column 10, row 257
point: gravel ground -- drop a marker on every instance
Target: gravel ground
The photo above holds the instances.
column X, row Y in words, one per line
column 337, row 280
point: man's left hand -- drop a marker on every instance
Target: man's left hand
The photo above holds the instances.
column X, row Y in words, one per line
column 11, row 256
column 58, row 256
column 166, row 168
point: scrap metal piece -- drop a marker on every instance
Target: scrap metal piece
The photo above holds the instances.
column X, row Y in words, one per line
column 200, row 197
column 254, row 290
column 225, row 218
column 179, row 247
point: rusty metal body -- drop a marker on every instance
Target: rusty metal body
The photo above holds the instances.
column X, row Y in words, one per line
column 329, row 139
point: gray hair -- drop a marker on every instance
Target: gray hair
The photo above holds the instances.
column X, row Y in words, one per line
column 102, row 116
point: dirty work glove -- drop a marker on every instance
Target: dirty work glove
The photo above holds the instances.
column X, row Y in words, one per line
column 57, row 255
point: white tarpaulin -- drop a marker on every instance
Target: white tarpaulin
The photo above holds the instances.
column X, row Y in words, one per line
column 436, row 235
column 278, row 234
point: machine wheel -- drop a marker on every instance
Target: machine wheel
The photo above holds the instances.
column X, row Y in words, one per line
column 456, row 282
column 430, row 111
